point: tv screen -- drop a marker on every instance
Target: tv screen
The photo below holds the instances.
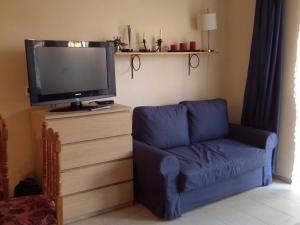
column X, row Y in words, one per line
column 61, row 70
column 68, row 71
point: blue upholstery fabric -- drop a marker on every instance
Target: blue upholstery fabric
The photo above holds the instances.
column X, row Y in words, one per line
column 259, row 138
column 252, row 136
column 155, row 180
column 161, row 126
column 203, row 164
column 173, row 176
column 207, row 119
column 203, row 196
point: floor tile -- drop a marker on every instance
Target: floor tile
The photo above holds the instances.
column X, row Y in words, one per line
column 277, row 204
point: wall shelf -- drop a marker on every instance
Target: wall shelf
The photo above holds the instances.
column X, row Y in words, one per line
column 164, row 53
column 137, row 55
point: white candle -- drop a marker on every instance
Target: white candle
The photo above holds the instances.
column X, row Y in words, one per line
column 161, row 34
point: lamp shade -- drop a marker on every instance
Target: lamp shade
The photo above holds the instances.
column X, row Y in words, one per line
column 207, row 21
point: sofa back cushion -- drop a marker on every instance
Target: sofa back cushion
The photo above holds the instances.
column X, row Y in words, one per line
column 208, row 119
column 161, row 126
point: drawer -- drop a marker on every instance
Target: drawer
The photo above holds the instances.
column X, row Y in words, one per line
column 95, row 151
column 96, row 200
column 83, row 128
column 91, row 177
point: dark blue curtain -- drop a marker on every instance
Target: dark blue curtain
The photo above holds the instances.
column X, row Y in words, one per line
column 262, row 94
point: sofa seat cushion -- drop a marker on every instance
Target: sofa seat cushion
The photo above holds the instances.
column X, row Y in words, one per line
column 202, row 164
column 161, row 126
column 208, row 119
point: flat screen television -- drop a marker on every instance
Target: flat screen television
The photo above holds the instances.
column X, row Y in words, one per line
column 69, row 71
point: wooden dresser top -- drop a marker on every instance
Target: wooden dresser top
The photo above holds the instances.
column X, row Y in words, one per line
column 44, row 112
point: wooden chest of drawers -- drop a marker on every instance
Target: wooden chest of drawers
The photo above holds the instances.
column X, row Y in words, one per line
column 96, row 158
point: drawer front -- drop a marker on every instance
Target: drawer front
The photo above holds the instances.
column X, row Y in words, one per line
column 75, row 129
column 91, row 177
column 78, row 205
column 96, row 151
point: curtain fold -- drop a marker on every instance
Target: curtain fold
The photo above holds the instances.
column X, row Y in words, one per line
column 262, row 96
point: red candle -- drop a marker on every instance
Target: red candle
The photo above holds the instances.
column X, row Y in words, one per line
column 183, row 46
column 192, row 45
column 174, row 47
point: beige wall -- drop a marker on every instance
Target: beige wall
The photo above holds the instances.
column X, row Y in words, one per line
column 239, row 36
column 240, row 25
column 161, row 80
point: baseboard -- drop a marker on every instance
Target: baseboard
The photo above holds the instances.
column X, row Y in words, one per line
column 284, row 179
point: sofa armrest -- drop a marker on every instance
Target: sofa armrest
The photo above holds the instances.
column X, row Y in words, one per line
column 156, row 174
column 252, row 136
column 153, row 161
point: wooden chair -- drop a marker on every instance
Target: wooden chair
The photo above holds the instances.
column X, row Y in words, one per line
column 4, row 193
column 43, row 209
column 51, row 170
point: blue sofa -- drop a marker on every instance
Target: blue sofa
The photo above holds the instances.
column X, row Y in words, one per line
column 188, row 155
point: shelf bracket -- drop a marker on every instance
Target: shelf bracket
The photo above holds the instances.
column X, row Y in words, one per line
column 135, row 60
column 133, row 68
column 190, row 65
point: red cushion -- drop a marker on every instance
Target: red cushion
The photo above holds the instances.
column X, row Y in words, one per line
column 29, row 210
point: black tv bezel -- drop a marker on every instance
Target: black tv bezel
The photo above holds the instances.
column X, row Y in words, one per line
column 41, row 100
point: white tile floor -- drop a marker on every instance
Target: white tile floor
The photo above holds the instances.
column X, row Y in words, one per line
column 277, row 204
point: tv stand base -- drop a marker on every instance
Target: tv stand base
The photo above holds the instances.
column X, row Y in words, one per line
column 78, row 106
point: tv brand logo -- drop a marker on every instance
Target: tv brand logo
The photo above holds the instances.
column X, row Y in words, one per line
column 78, row 94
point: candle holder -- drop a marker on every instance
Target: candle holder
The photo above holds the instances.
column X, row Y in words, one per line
column 129, row 49
column 159, row 45
column 145, row 49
